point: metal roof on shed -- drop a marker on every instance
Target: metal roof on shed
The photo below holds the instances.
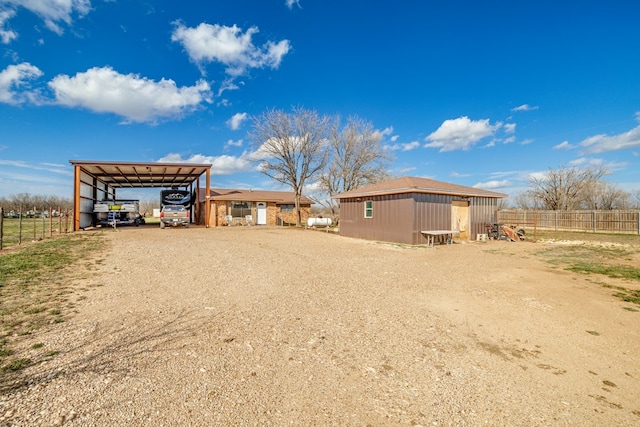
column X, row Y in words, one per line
column 139, row 175
column 417, row 185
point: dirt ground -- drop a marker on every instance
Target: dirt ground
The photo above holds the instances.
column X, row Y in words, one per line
column 273, row 326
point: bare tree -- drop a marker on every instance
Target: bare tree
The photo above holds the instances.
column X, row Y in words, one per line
column 147, row 206
column 635, row 198
column 564, row 188
column 291, row 148
column 356, row 158
column 602, row 195
column 503, row 204
column 526, row 201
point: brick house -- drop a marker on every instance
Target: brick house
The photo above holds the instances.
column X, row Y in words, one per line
column 253, row 207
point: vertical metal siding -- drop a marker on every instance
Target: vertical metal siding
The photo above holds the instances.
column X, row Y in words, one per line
column 432, row 212
column 392, row 218
column 482, row 210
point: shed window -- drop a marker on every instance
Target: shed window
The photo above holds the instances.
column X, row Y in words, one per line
column 368, row 209
column 287, row 208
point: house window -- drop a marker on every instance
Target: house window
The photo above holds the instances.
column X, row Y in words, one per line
column 287, row 208
column 240, row 209
column 368, row 209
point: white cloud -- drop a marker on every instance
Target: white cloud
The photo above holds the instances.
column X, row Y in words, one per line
column 509, row 127
column 595, row 162
column 525, row 107
column 236, row 121
column 6, row 36
column 232, row 143
column 14, row 77
column 229, row 46
column 458, row 175
column 492, row 185
column 383, row 133
column 135, row 98
column 564, row 145
column 526, row 141
column 603, row 143
column 48, row 167
column 460, row 134
column 408, row 146
column 290, row 3
column 509, row 140
column 53, row 12
column 221, row 165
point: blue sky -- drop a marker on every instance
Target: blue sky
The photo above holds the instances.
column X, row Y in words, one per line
column 481, row 94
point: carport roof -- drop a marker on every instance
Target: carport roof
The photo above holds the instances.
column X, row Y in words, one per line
column 138, row 174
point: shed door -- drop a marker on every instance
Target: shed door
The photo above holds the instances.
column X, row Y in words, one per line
column 460, row 218
column 261, row 213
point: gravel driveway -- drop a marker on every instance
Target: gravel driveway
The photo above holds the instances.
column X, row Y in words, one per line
column 275, row 326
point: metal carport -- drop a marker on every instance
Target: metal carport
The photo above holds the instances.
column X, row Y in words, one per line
column 98, row 180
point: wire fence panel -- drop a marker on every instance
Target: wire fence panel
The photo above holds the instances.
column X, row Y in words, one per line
column 18, row 227
column 621, row 222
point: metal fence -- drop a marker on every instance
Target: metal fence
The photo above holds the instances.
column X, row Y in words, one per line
column 622, row 222
column 17, row 227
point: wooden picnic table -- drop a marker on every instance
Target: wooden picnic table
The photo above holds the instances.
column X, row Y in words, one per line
column 432, row 234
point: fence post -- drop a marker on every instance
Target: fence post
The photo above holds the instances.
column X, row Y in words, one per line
column 556, row 220
column 638, row 222
column 1, row 225
column 20, row 226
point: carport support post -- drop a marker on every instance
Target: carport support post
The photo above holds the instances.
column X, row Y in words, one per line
column 76, row 198
column 207, row 207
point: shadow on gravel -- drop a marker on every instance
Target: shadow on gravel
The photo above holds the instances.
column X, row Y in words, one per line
column 109, row 351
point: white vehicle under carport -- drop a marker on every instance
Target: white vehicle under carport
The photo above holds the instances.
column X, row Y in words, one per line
column 174, row 216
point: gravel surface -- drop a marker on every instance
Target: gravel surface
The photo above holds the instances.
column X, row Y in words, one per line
column 273, row 326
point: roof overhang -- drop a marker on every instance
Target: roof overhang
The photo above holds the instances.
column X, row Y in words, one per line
column 461, row 193
column 141, row 175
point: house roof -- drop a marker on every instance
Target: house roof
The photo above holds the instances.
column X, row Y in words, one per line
column 279, row 197
column 417, row 185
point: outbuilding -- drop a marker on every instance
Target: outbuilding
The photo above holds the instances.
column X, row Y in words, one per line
column 399, row 210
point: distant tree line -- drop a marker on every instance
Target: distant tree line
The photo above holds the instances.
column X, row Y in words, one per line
column 572, row 188
column 25, row 202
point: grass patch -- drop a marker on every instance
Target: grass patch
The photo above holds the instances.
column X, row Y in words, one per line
column 613, row 271
column 599, row 255
column 36, row 285
column 16, row 365
column 629, row 296
column 4, row 352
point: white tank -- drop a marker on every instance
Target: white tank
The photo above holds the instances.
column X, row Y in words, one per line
column 319, row 222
